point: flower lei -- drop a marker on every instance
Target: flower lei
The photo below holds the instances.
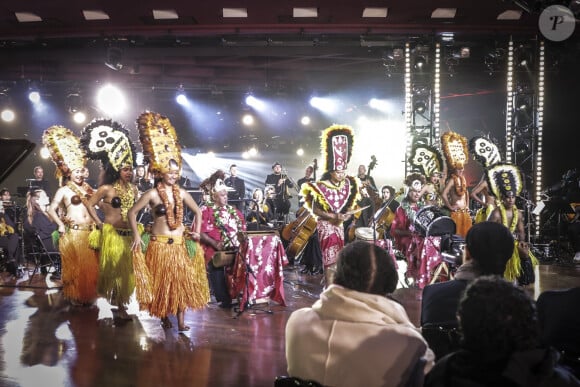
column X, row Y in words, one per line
column 174, row 212
column 460, row 184
column 512, row 227
column 227, row 236
column 127, row 196
column 409, row 211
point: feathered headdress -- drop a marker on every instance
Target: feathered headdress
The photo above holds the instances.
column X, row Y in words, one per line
column 336, row 145
column 455, row 149
column 504, row 180
column 485, row 151
column 158, row 138
column 65, row 150
column 426, row 159
column 108, row 141
column 214, row 183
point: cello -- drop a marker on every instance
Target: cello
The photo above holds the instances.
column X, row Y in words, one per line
column 373, row 196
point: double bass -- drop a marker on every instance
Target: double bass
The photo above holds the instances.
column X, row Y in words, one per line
column 299, row 231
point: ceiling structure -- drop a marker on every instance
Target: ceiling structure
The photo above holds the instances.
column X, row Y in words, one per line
column 203, row 49
column 270, row 50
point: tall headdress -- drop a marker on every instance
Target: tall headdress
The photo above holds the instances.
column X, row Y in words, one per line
column 485, row 151
column 158, row 138
column 426, row 159
column 337, row 142
column 108, row 141
column 455, row 149
column 65, row 150
column 504, row 180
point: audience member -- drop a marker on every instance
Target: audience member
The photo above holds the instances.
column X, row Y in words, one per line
column 488, row 248
column 500, row 343
column 559, row 322
column 355, row 334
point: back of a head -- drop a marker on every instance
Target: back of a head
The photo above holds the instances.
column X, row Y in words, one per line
column 497, row 318
column 490, row 245
column 364, row 267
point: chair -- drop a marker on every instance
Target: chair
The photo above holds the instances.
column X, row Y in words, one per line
column 41, row 257
column 290, row 381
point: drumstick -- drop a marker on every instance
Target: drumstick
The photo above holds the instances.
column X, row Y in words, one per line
column 356, row 210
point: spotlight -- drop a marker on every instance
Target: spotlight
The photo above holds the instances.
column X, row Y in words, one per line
column 181, row 99
column 74, row 102
column 248, row 119
column 114, row 58
column 44, row 152
column 79, row 117
column 305, row 120
column 34, row 96
column 111, row 100
column 7, row 115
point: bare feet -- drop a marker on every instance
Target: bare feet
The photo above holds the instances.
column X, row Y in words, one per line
column 166, row 323
column 123, row 315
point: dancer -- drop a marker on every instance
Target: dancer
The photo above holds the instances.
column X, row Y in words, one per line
column 455, row 194
column 486, row 152
column 332, row 198
column 109, row 142
column 506, row 183
column 177, row 282
column 80, row 265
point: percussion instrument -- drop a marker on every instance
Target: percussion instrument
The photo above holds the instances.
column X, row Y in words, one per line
column 364, row 234
column 429, row 221
column 223, row 258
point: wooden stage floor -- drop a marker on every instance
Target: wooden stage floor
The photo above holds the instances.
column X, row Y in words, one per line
column 45, row 342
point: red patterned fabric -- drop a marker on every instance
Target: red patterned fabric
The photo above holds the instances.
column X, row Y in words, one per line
column 265, row 256
column 331, row 240
column 209, row 227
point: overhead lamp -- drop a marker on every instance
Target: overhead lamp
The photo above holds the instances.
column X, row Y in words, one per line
column 34, row 96
column 180, row 97
column 420, row 106
column 420, row 62
column 114, row 58
column 73, row 102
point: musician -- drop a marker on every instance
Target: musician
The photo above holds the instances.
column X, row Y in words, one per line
column 80, row 265
column 307, row 176
column 332, row 198
column 281, row 184
column 38, row 222
column 388, row 199
column 259, row 212
column 455, row 194
column 39, row 182
column 10, row 207
column 407, row 241
column 221, row 224
column 236, row 197
column 388, row 194
column 8, row 231
column 366, row 180
column 506, row 183
column 141, row 180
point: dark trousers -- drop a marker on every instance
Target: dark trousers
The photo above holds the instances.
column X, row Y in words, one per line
column 312, row 255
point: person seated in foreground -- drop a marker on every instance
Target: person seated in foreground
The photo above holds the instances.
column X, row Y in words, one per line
column 489, row 246
column 559, row 322
column 500, row 342
column 355, row 334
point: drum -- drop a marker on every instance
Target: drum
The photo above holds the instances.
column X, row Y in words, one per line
column 429, row 221
column 364, row 234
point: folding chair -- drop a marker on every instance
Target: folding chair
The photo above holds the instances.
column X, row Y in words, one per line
column 41, row 257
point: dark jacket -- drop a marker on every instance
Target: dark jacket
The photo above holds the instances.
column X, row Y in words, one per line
column 533, row 368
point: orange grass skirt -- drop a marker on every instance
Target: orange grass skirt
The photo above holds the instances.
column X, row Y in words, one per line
column 177, row 282
column 80, row 267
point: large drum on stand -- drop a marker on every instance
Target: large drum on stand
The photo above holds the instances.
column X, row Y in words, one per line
column 366, row 234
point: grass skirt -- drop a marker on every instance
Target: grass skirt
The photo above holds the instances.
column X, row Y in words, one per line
column 116, row 279
column 513, row 268
column 80, row 267
column 177, row 282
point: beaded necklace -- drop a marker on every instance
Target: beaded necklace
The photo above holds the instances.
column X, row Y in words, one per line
column 126, row 193
column 228, row 236
column 174, row 212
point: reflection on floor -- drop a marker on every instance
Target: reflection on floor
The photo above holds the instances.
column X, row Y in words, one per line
column 44, row 341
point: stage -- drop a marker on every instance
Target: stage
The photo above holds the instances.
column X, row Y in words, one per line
column 44, row 341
